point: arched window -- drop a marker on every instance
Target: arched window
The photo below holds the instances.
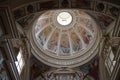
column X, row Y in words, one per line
column 20, row 61
column 110, row 61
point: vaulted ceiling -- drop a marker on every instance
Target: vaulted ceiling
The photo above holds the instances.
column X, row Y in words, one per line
column 26, row 12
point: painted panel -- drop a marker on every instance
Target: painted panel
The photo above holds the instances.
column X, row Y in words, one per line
column 76, row 43
column 44, row 35
column 64, row 45
column 53, row 42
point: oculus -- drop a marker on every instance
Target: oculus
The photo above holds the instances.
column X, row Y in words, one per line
column 64, row 18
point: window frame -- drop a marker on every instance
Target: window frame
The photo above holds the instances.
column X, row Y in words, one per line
column 20, row 61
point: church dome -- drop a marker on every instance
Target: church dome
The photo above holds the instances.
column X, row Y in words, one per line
column 65, row 37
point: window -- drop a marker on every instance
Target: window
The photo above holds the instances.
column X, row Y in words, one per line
column 20, row 62
column 110, row 62
column 64, row 18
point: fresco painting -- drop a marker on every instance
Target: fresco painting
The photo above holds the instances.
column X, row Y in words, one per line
column 44, row 35
column 86, row 37
column 41, row 25
column 84, row 34
column 79, row 29
column 64, row 40
column 64, row 45
column 85, row 21
column 53, row 41
column 76, row 45
column 91, row 27
column 43, row 22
